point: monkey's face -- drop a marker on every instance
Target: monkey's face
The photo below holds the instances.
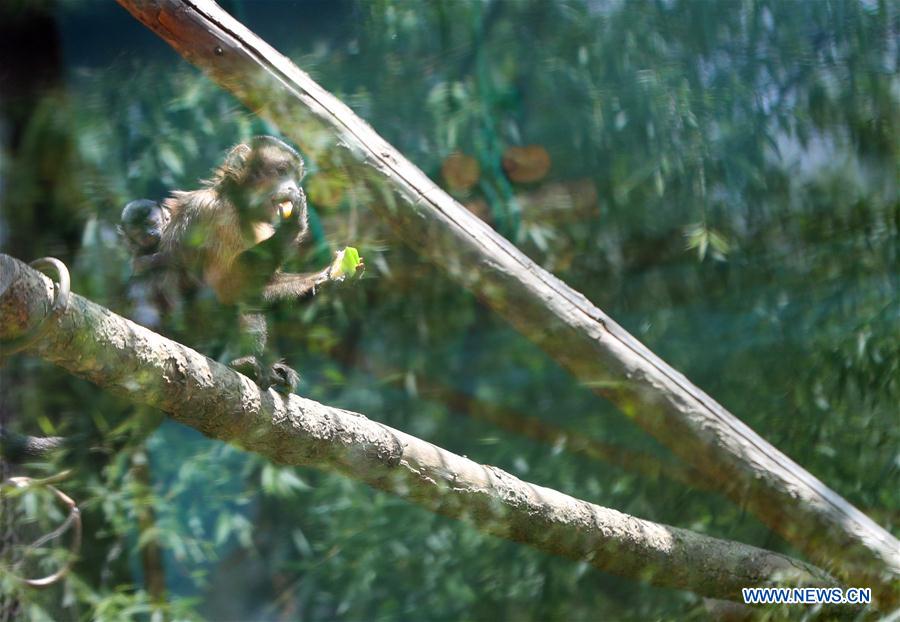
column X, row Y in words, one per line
column 142, row 225
column 141, row 239
column 268, row 190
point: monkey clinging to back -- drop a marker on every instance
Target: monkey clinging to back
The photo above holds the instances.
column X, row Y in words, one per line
column 235, row 233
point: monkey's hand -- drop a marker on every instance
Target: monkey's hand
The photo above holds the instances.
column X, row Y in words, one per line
column 346, row 263
column 291, row 212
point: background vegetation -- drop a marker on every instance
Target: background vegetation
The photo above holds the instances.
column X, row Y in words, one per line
column 723, row 181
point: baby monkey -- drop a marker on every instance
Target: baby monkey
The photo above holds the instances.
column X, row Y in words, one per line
column 156, row 290
column 141, row 226
column 234, row 234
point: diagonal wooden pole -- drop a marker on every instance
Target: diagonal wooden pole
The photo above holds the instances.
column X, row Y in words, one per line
column 562, row 321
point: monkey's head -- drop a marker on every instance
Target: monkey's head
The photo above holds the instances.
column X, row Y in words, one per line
column 262, row 179
column 142, row 224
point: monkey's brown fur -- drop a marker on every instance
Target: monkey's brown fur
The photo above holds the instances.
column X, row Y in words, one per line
column 212, row 227
column 235, row 233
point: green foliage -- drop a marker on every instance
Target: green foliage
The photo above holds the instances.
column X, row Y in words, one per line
column 762, row 135
column 702, row 239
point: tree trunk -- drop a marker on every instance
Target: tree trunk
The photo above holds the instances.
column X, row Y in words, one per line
column 130, row 360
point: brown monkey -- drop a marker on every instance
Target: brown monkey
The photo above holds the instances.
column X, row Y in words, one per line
column 235, row 233
column 155, row 289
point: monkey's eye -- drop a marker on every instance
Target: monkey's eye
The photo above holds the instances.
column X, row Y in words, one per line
column 258, row 175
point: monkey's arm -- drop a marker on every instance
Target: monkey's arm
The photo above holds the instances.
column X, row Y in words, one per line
column 253, row 271
column 141, row 264
column 285, row 286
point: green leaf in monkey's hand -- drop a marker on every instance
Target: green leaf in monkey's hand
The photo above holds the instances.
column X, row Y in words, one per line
column 350, row 260
column 345, row 264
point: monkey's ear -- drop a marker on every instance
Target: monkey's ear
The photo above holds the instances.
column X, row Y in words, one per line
column 234, row 164
column 237, row 157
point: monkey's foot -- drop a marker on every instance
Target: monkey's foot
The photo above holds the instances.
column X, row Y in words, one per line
column 279, row 377
column 283, row 379
column 247, row 365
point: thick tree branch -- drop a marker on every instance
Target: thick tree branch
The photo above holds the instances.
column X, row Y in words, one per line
column 563, row 322
column 130, row 360
column 19, row 447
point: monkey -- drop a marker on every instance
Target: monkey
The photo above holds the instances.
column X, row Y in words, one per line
column 234, row 234
column 140, row 226
column 154, row 291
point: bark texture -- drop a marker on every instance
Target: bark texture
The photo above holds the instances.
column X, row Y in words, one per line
column 605, row 357
column 117, row 354
column 17, row 447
